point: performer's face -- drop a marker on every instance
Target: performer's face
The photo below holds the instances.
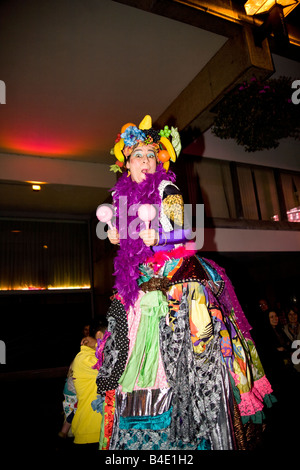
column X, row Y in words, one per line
column 141, row 161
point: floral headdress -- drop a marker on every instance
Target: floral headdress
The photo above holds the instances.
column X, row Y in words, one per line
column 131, row 136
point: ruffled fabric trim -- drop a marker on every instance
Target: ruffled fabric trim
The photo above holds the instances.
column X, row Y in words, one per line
column 252, row 403
column 262, row 387
column 160, row 257
column 257, row 418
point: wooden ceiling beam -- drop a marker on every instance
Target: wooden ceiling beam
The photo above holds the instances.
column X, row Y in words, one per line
column 179, row 11
column 237, row 60
column 219, row 17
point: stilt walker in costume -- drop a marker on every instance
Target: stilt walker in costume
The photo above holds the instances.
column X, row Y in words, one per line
column 180, row 368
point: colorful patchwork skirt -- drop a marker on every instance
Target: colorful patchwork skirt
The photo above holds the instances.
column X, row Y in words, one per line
column 180, row 369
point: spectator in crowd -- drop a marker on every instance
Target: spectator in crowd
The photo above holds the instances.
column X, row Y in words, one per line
column 280, row 343
column 273, row 346
column 87, row 422
column 69, row 392
column 263, row 305
column 281, row 313
column 292, row 328
column 69, row 405
column 86, row 330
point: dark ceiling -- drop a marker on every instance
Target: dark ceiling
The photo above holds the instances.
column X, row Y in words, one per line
column 75, row 71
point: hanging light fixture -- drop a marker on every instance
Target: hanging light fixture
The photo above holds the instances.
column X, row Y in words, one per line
column 273, row 13
column 259, row 7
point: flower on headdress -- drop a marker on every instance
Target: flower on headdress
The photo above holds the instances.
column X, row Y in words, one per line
column 132, row 135
column 148, row 139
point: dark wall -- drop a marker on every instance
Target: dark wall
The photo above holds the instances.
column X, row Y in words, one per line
column 42, row 329
column 256, row 275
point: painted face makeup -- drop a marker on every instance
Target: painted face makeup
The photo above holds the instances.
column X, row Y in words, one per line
column 141, row 161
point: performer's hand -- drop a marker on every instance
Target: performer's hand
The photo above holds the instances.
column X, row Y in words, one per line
column 149, row 236
column 113, row 236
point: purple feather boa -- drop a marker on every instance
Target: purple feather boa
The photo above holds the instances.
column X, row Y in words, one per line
column 133, row 252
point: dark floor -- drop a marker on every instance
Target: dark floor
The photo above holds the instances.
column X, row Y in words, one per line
column 31, row 415
column 31, row 410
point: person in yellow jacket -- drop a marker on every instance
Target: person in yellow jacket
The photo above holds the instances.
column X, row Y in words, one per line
column 87, row 422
